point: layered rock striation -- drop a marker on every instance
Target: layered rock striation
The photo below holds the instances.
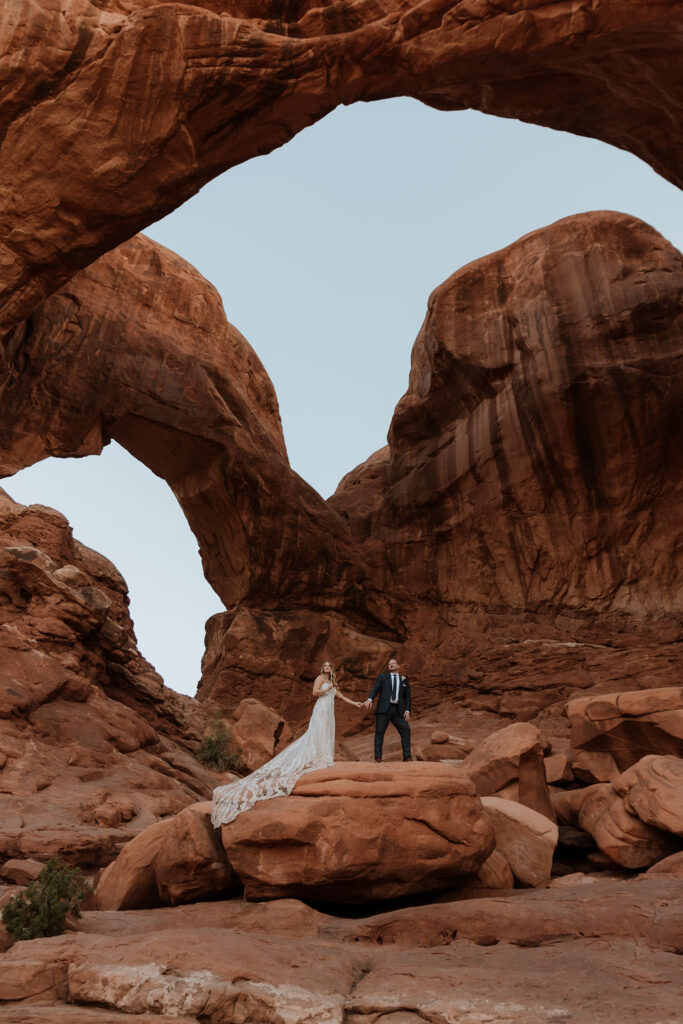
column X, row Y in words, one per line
column 533, row 471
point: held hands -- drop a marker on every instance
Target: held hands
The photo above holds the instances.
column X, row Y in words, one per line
column 367, row 703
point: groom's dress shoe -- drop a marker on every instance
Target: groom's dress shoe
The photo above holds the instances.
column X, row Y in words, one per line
column 407, row 759
column 378, row 760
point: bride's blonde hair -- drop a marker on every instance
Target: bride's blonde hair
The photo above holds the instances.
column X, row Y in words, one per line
column 333, row 674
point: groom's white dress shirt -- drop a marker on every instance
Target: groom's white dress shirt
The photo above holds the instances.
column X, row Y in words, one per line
column 394, row 687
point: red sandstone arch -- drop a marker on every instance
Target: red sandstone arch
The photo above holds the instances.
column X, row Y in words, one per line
column 113, row 114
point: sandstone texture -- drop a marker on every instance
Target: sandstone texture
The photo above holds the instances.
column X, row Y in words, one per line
column 230, row 962
column 94, row 748
column 180, row 860
column 653, row 789
column 512, row 755
column 612, row 731
column 525, row 838
column 260, row 732
column 620, row 834
column 354, row 833
column 141, row 103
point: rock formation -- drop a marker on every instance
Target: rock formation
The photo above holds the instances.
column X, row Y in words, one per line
column 356, row 833
column 613, row 731
column 187, row 395
column 138, row 104
column 229, row 961
column 524, row 512
column 514, row 542
column 180, row 860
column 93, row 746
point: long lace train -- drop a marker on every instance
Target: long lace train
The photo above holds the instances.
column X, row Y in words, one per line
column 313, row 750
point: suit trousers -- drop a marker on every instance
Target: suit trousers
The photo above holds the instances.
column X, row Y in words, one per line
column 382, row 720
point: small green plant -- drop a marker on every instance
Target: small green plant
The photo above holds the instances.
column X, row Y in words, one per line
column 217, row 749
column 42, row 908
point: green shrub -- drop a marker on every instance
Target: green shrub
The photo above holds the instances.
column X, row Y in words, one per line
column 217, row 749
column 42, row 908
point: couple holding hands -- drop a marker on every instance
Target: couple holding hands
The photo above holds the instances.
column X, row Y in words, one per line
column 315, row 749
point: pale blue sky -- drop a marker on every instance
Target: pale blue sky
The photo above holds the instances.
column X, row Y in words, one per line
column 325, row 253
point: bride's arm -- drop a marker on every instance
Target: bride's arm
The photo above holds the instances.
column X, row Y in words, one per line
column 353, row 703
column 317, row 692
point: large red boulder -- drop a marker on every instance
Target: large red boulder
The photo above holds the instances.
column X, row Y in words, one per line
column 179, row 860
column 357, row 832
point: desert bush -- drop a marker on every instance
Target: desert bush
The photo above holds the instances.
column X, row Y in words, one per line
column 217, row 749
column 41, row 909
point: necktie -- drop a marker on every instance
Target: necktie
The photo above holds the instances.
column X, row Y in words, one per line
column 394, row 688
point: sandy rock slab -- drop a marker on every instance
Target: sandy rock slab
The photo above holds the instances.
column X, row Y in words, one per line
column 648, row 908
column 223, row 976
column 355, row 832
column 216, row 975
column 59, row 1013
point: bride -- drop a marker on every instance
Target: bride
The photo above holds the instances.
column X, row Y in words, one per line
column 315, row 749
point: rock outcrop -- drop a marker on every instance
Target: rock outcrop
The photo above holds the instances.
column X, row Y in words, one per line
column 259, row 732
column 525, row 838
column 180, row 860
column 613, row 731
column 653, row 789
column 93, row 746
column 230, row 961
column 511, row 757
column 354, row 833
column 187, row 395
column 619, row 833
column 529, row 470
column 501, row 461
column 138, row 104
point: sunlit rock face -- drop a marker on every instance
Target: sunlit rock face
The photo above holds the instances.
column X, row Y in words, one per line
column 113, row 114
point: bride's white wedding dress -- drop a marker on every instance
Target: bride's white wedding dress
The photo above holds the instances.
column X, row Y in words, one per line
column 315, row 749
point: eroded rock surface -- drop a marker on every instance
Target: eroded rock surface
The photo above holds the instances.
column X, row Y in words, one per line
column 223, row 961
column 93, row 746
column 145, row 102
column 180, row 860
column 613, row 731
column 358, row 832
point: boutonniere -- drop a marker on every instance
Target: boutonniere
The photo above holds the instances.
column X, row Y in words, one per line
column 403, row 679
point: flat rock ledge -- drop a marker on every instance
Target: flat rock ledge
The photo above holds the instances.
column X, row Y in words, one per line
column 356, row 832
column 351, row 833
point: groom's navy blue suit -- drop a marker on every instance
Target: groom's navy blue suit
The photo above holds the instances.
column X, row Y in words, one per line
column 386, row 711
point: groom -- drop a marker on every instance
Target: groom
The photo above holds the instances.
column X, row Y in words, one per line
column 393, row 706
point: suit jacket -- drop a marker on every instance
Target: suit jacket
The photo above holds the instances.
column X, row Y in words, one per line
column 383, row 688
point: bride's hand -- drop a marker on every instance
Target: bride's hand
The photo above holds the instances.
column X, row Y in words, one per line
column 358, row 704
